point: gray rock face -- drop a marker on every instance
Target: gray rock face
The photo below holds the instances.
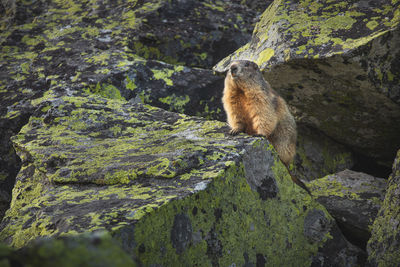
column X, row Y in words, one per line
column 337, row 65
column 353, row 199
column 384, row 245
column 318, row 155
column 316, row 226
column 259, row 174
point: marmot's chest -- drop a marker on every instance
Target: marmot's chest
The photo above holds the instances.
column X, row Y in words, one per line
column 248, row 110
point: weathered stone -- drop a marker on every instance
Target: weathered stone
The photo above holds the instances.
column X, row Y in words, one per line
column 169, row 188
column 337, row 63
column 384, row 245
column 94, row 249
column 353, row 199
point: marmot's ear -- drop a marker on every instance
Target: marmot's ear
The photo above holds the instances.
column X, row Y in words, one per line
column 254, row 65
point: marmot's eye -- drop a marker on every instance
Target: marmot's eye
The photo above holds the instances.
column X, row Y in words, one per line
column 247, row 64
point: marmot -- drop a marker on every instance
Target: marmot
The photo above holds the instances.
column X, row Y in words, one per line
column 253, row 107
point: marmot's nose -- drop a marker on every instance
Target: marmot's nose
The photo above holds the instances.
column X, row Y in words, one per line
column 234, row 69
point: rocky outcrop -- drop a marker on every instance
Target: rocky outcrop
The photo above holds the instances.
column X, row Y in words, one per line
column 94, row 47
column 338, row 65
column 384, row 247
column 169, row 188
column 353, row 199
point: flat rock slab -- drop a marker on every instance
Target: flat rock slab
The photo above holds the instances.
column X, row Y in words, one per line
column 353, row 199
column 169, row 188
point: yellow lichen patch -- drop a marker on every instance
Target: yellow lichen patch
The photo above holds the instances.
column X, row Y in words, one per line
column 163, row 75
column 265, row 56
column 176, row 103
column 372, row 24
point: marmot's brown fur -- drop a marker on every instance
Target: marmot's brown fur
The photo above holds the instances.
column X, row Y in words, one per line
column 253, row 107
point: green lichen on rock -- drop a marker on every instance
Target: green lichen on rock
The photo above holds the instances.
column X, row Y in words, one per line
column 107, row 90
column 383, row 248
column 176, row 103
column 92, row 146
column 75, row 45
column 310, row 29
column 353, row 187
column 208, row 221
column 330, row 187
column 161, row 183
column 110, row 139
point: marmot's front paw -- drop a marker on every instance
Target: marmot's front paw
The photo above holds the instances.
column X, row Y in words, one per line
column 234, row 131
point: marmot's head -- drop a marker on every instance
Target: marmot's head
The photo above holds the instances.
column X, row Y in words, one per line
column 245, row 74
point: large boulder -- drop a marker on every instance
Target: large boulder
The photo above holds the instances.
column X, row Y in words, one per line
column 353, row 199
column 384, row 245
column 337, row 64
column 170, row 189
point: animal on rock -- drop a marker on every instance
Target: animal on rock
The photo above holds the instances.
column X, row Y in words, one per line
column 253, row 107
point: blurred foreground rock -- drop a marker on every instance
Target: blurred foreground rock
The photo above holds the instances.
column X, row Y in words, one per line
column 95, row 250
